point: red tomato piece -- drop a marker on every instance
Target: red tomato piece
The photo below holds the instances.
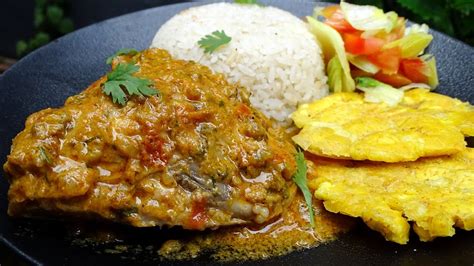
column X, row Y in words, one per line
column 355, row 44
column 373, row 45
column 335, row 19
column 198, row 217
column 355, row 72
column 414, row 69
column 388, row 60
column 396, row 80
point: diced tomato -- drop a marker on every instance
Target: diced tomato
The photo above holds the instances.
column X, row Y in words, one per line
column 396, row 80
column 357, row 45
column 414, row 69
column 198, row 217
column 373, row 45
column 243, row 110
column 153, row 152
column 335, row 19
column 388, row 60
column 353, row 43
column 355, row 72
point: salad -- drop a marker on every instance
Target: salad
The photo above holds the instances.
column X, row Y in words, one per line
column 366, row 48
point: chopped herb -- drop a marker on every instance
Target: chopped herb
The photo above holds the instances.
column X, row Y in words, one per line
column 124, row 51
column 121, row 79
column 213, row 41
column 300, row 179
column 221, row 104
column 44, row 155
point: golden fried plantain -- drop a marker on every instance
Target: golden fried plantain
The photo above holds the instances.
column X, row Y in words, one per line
column 344, row 126
column 434, row 194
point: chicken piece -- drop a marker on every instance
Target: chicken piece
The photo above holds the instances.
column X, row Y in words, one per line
column 434, row 194
column 197, row 155
column 344, row 126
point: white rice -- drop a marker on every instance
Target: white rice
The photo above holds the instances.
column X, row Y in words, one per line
column 272, row 53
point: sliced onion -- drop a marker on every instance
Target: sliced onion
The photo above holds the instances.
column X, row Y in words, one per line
column 332, row 45
column 431, row 71
column 377, row 92
column 417, row 28
column 413, row 86
column 363, row 63
column 412, row 44
column 367, row 18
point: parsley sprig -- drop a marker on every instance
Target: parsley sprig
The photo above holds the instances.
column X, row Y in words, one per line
column 121, row 81
column 45, row 155
column 301, row 181
column 213, row 41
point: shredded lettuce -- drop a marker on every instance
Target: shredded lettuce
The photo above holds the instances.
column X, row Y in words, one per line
column 363, row 63
column 412, row 44
column 431, row 71
column 377, row 92
column 413, row 86
column 417, row 28
column 335, row 75
column 339, row 73
column 368, row 18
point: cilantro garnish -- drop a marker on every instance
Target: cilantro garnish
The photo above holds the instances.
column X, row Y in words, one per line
column 124, row 51
column 213, row 41
column 300, row 179
column 44, row 155
column 120, row 80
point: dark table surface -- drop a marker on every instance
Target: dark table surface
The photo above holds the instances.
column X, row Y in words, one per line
column 8, row 257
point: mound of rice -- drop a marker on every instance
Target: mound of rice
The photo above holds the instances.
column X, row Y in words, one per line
column 272, row 53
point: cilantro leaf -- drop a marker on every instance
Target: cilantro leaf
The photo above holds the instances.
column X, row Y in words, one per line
column 300, row 179
column 44, row 155
column 121, row 79
column 124, row 51
column 213, row 41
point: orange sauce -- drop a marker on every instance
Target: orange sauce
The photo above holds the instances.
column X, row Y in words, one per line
column 289, row 232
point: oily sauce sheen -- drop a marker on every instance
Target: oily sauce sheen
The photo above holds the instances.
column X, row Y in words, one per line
column 292, row 231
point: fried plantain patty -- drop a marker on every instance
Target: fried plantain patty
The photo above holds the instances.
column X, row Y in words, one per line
column 344, row 126
column 434, row 194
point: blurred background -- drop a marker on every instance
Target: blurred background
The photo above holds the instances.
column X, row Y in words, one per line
column 29, row 24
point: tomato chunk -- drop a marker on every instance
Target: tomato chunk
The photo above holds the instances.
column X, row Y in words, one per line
column 388, row 60
column 355, row 44
column 414, row 69
column 396, row 80
column 198, row 217
column 335, row 18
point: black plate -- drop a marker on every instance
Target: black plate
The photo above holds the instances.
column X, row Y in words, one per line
column 68, row 65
